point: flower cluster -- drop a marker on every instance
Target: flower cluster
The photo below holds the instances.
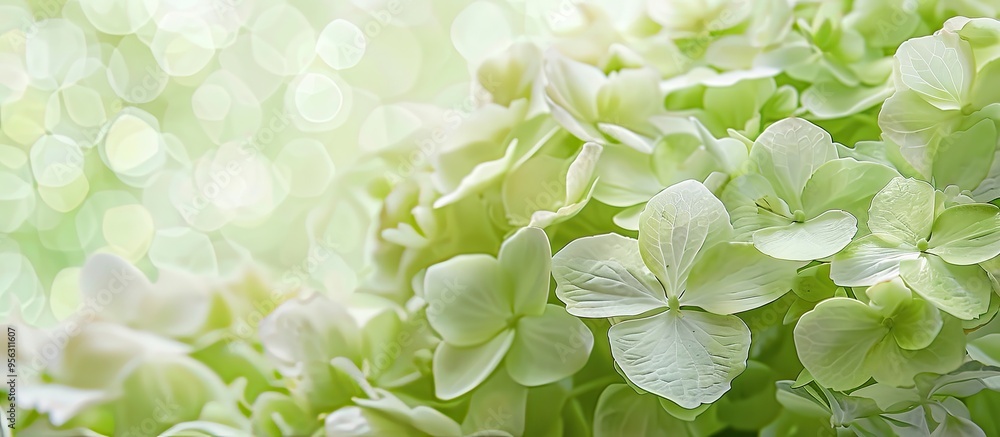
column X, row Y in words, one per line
column 416, row 218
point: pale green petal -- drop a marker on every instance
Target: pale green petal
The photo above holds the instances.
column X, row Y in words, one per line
column 833, row 340
column 869, row 260
column 831, row 99
column 199, row 428
column 847, row 185
column 903, row 209
column 549, row 347
column 964, row 158
column 573, row 86
column 604, row 276
column 361, row 422
column 679, row 412
column 525, row 265
column 966, row 234
column 676, row 224
column 734, row 277
column 958, row 426
column 623, row 412
column 420, row 418
column 172, row 389
column 813, row 284
column 893, row 365
column 916, row 325
column 916, row 126
column 580, row 183
column 625, row 177
column 499, row 404
column 467, row 303
column 939, row 67
column 962, row 291
column 889, row 297
column 816, row 238
column 580, row 175
column 788, row 152
column 458, row 370
column 686, row 356
column 60, row 403
column 538, row 184
column 986, row 349
column 480, row 177
column 753, row 205
column 277, row 414
column 628, row 218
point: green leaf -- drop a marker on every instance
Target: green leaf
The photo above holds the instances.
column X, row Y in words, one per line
column 833, row 341
column 548, row 347
column 525, row 264
column 466, row 300
column 788, row 152
column 938, row 67
column 676, row 224
column 966, row 234
column 604, row 276
column 869, row 260
column 903, row 209
column 816, row 238
column 688, row 357
column 750, row 280
column 458, row 370
column 962, row 291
